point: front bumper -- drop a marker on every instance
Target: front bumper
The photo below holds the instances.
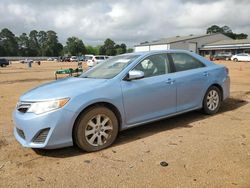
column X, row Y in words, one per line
column 58, row 125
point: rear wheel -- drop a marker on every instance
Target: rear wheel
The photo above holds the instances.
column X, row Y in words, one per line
column 212, row 100
column 95, row 129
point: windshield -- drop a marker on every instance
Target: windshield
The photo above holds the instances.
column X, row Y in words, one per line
column 110, row 68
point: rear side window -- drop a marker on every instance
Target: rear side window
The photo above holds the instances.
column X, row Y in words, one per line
column 184, row 62
column 154, row 65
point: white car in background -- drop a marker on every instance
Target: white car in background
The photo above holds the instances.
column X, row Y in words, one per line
column 100, row 58
column 91, row 61
column 73, row 59
column 241, row 57
column 94, row 60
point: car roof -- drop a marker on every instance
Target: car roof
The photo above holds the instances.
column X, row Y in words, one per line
column 158, row 51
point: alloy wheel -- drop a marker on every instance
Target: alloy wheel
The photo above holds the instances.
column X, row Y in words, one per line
column 213, row 100
column 98, row 130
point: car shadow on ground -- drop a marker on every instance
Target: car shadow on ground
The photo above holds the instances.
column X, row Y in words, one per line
column 140, row 132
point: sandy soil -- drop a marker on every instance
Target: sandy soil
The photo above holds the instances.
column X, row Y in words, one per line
column 200, row 150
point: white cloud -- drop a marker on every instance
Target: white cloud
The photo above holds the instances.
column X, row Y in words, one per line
column 66, row 19
column 124, row 21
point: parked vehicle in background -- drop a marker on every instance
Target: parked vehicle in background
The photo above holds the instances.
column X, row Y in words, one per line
column 241, row 57
column 64, row 59
column 50, row 59
column 26, row 61
column 4, row 62
column 73, row 59
column 81, row 58
column 91, row 61
column 222, row 56
column 126, row 91
column 94, row 60
column 100, row 58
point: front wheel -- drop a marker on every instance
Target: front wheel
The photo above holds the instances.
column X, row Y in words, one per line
column 212, row 100
column 236, row 60
column 95, row 129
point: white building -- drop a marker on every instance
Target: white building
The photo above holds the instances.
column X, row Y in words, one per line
column 192, row 42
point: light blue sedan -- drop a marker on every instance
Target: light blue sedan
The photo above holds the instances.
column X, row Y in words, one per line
column 120, row 93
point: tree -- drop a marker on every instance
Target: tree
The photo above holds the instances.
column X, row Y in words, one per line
column 130, row 50
column 241, row 36
column 102, row 50
column 124, row 48
column 75, row 46
column 214, row 29
column 52, row 46
column 9, row 46
column 2, row 50
column 226, row 31
column 92, row 50
column 45, row 43
column 42, row 40
column 109, row 46
column 118, row 49
column 23, row 45
column 33, row 43
column 111, row 49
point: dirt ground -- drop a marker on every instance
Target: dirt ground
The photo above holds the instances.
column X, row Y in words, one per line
column 200, row 150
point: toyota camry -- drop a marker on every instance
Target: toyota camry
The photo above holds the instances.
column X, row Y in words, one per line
column 125, row 91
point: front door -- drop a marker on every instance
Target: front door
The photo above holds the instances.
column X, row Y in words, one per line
column 153, row 96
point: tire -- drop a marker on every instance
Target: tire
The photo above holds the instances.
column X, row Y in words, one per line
column 236, row 60
column 95, row 129
column 212, row 100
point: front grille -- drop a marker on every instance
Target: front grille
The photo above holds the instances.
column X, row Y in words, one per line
column 20, row 133
column 41, row 136
column 23, row 106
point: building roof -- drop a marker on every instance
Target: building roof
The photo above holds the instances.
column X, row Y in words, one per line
column 228, row 44
column 174, row 39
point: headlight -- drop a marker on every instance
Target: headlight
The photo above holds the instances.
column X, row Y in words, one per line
column 46, row 106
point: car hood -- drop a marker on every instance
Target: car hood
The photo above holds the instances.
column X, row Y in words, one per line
column 68, row 87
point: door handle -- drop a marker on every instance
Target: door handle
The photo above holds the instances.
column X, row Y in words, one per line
column 169, row 81
column 205, row 73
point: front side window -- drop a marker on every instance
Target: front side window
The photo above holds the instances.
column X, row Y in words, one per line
column 154, row 65
column 184, row 62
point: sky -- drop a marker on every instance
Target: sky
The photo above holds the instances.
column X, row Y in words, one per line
column 127, row 21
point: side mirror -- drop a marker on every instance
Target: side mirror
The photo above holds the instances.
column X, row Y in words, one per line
column 134, row 75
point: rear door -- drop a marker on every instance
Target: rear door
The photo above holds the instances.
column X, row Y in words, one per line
column 192, row 78
column 154, row 95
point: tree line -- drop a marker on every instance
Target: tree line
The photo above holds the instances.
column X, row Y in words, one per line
column 45, row 43
column 226, row 30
